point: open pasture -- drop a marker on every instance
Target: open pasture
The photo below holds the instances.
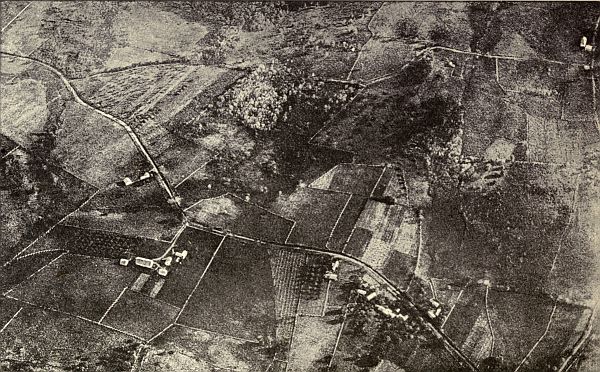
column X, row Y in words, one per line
column 488, row 116
column 533, row 77
column 568, row 322
column 23, row 36
column 445, row 24
column 382, row 57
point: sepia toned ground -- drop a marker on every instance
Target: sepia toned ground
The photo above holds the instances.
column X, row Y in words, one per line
column 364, row 186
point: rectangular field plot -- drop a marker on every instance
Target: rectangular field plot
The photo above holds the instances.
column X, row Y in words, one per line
column 59, row 339
column 315, row 212
column 183, row 277
column 357, row 179
column 553, row 141
column 314, row 340
column 140, row 315
column 358, row 242
column 236, row 295
column 106, row 244
column 391, row 228
column 286, row 266
column 346, row 223
column 230, row 213
column 78, row 285
column 518, row 321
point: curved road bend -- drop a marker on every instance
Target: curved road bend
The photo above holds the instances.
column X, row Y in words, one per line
column 136, row 140
column 378, row 276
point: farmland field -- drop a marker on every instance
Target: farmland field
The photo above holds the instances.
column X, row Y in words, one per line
column 553, row 141
column 230, row 213
column 140, row 315
column 389, row 230
column 346, row 223
column 314, row 340
column 203, row 349
column 78, row 285
column 512, row 314
column 33, row 197
column 19, row 270
column 575, row 105
column 97, row 243
column 285, row 266
column 341, row 186
column 315, row 212
column 236, row 296
column 467, row 311
column 358, row 179
column 63, row 342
